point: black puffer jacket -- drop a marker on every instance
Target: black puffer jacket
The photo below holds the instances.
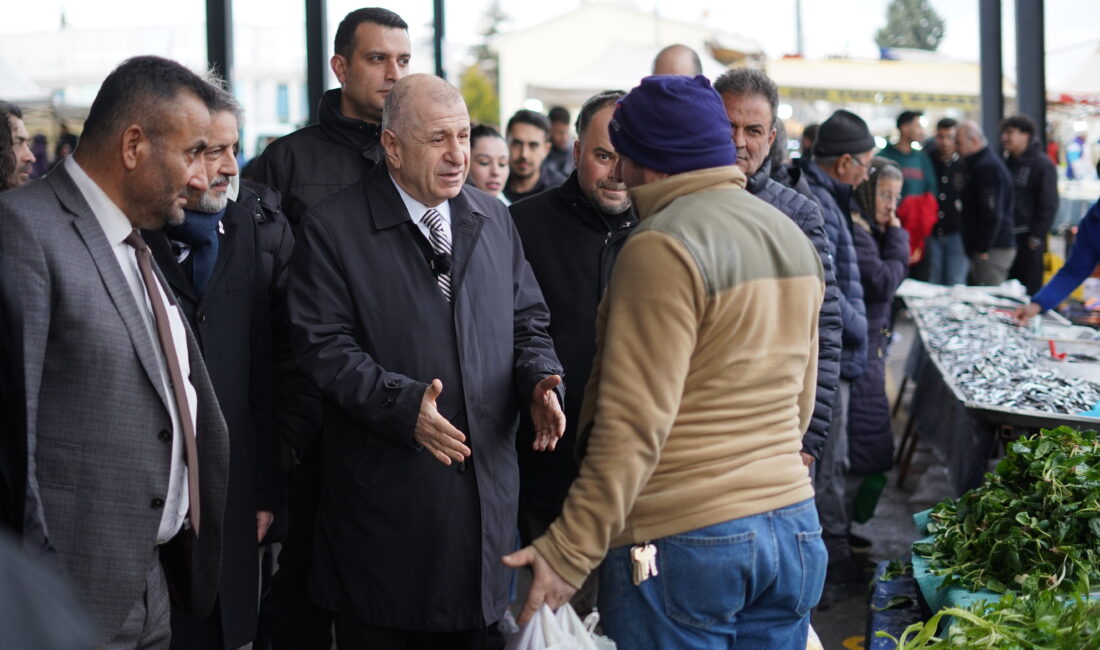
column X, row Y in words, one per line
column 793, row 177
column 807, row 215
column 319, row 160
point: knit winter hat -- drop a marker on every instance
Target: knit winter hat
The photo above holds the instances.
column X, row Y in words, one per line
column 843, row 133
column 673, row 124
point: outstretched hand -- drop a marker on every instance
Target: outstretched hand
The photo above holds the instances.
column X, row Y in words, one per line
column 435, row 433
column 1024, row 313
column 546, row 414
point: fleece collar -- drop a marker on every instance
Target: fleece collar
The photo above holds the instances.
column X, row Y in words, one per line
column 653, row 197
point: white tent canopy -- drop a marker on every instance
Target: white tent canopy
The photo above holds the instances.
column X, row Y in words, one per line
column 1079, row 81
column 16, row 88
column 619, row 67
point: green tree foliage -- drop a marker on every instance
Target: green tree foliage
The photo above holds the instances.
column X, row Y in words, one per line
column 480, row 81
column 911, row 23
column 481, row 98
column 491, row 23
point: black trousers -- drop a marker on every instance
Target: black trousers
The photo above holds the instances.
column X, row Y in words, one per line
column 353, row 635
column 299, row 624
column 1028, row 265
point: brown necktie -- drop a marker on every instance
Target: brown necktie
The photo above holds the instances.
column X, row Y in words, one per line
column 164, row 334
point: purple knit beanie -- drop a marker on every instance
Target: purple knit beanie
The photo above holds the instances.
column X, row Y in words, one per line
column 673, row 124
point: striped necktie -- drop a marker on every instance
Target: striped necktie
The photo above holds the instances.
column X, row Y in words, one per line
column 441, row 244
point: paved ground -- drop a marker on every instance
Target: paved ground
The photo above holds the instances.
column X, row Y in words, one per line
column 843, row 626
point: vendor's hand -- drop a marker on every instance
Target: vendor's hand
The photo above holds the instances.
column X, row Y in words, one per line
column 263, row 522
column 546, row 585
column 435, row 433
column 1024, row 313
column 546, row 414
column 807, row 459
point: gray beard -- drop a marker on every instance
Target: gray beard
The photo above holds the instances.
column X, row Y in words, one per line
column 209, row 204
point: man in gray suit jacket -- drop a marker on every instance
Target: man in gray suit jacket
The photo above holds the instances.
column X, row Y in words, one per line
column 115, row 483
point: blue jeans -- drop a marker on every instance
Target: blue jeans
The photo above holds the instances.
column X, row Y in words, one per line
column 948, row 262
column 745, row 583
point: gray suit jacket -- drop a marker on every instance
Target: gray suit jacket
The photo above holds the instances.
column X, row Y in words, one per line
column 97, row 411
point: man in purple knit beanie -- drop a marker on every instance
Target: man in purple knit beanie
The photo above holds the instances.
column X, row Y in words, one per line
column 692, row 499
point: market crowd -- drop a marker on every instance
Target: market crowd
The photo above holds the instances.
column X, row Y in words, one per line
column 654, row 353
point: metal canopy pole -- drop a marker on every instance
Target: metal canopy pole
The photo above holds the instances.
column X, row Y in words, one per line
column 219, row 37
column 1030, row 69
column 316, row 63
column 993, row 101
column 437, row 39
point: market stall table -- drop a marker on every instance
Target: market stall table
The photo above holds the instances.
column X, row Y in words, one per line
column 965, row 432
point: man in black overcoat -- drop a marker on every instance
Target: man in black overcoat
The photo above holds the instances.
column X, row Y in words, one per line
column 415, row 313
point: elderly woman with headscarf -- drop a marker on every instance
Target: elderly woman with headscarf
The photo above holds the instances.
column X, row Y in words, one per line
column 882, row 248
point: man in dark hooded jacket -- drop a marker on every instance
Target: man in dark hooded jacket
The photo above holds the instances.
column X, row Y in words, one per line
column 751, row 100
column 1035, row 190
column 372, row 51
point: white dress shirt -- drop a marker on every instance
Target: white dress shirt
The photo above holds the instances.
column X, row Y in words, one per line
column 417, row 209
column 117, row 227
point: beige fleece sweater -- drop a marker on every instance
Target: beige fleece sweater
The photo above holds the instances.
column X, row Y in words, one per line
column 705, row 372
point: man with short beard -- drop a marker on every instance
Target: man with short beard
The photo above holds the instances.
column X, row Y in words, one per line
column 571, row 236
column 528, row 137
column 127, row 449
column 16, row 156
column 227, row 265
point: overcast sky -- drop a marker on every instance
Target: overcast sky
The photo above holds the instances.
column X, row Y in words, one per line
column 830, row 27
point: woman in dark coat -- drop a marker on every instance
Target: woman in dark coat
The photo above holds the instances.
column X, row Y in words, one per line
column 882, row 248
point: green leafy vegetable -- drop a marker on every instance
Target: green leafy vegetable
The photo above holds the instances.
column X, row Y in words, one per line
column 1039, row 621
column 1033, row 525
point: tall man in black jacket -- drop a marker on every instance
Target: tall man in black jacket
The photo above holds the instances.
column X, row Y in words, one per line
column 227, row 263
column 371, row 53
column 751, row 100
column 1035, row 189
column 571, row 236
column 987, row 208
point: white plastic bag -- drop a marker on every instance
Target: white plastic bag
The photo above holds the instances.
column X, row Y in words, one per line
column 562, row 631
column 812, row 642
column 542, row 632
